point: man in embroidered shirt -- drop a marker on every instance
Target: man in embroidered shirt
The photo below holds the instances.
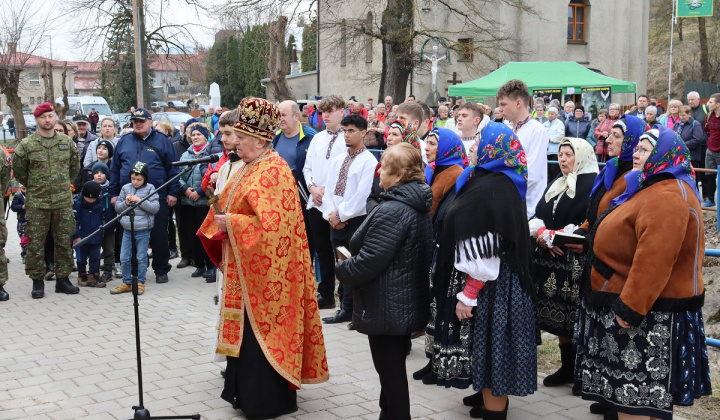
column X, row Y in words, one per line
column 513, row 99
column 350, row 179
column 469, row 116
column 324, row 146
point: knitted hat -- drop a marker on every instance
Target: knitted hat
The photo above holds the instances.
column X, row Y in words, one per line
column 580, row 107
column 43, row 108
column 140, row 168
column 99, row 166
column 258, row 118
column 108, row 145
column 202, row 128
column 91, row 189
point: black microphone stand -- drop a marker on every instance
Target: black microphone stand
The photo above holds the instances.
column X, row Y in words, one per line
column 141, row 413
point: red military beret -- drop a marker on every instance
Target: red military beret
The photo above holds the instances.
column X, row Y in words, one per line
column 43, row 108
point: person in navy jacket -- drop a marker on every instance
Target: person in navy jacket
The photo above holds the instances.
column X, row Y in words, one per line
column 156, row 150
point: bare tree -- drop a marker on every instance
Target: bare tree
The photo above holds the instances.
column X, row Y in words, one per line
column 23, row 24
column 403, row 24
column 276, row 64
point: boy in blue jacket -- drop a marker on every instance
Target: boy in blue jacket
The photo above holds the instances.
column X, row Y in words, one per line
column 100, row 174
column 88, row 212
column 143, row 222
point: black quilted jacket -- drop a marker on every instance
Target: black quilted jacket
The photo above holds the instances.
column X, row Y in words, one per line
column 389, row 269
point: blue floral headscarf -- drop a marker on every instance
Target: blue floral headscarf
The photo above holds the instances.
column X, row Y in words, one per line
column 669, row 156
column 499, row 151
column 633, row 127
column 450, row 151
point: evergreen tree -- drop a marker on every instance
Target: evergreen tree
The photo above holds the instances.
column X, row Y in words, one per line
column 288, row 52
column 234, row 83
column 309, row 42
column 216, row 69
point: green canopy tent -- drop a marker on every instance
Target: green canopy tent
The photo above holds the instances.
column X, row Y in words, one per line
column 541, row 75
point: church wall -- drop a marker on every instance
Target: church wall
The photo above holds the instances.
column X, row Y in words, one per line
column 617, row 33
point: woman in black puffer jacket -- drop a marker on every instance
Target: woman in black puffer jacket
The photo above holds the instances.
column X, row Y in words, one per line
column 388, row 270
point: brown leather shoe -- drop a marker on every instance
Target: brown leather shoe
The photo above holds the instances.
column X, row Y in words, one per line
column 122, row 288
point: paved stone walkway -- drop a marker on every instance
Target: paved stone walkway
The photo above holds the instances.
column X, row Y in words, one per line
column 73, row 357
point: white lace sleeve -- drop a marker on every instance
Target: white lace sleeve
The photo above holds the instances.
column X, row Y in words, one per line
column 468, row 260
column 535, row 224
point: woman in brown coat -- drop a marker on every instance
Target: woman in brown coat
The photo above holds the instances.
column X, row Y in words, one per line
column 446, row 161
column 642, row 333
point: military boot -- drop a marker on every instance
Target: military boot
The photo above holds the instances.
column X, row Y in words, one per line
column 38, row 290
column 63, row 285
column 94, row 281
column 82, row 279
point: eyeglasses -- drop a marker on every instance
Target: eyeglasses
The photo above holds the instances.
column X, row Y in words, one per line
column 640, row 151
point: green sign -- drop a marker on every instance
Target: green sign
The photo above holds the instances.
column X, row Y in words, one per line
column 694, row 8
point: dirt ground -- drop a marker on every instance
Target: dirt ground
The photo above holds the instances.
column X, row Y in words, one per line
column 706, row 408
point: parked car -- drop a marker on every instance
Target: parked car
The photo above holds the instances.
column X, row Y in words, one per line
column 178, row 105
column 175, row 118
column 120, row 120
column 30, row 123
column 158, row 106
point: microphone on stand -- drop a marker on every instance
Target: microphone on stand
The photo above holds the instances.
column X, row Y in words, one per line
column 207, row 159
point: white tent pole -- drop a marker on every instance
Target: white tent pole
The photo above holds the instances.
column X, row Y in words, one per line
column 672, row 33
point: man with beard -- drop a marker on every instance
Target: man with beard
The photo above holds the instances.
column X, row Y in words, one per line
column 48, row 201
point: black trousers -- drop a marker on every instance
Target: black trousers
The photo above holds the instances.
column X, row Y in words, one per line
column 252, row 384
column 388, row 354
column 192, row 218
column 339, row 238
column 159, row 240
column 183, row 238
column 172, row 232
column 325, row 254
column 699, row 176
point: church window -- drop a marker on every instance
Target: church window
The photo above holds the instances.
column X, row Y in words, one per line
column 577, row 21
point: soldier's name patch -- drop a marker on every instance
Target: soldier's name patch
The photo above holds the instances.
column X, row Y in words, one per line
column 63, row 147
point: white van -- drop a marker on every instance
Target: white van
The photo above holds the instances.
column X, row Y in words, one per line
column 85, row 104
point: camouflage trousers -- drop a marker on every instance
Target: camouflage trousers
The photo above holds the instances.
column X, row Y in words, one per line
column 62, row 225
column 3, row 258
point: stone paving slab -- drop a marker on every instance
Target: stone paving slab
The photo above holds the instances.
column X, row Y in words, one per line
column 73, row 357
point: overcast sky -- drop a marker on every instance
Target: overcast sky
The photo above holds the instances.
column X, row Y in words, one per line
column 64, row 46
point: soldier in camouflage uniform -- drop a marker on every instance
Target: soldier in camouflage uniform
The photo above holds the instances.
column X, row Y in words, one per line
column 46, row 162
column 4, row 184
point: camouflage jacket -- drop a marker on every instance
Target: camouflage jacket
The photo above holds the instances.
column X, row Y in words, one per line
column 46, row 166
column 4, row 170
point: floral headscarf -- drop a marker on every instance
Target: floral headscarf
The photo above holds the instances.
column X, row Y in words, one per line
column 499, row 151
column 450, row 151
column 409, row 133
column 585, row 163
column 669, row 156
column 633, row 127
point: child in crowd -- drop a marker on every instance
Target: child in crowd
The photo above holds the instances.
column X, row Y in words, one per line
column 18, row 206
column 143, row 222
column 101, row 173
column 88, row 217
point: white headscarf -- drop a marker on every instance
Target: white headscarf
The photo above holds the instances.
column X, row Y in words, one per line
column 585, row 163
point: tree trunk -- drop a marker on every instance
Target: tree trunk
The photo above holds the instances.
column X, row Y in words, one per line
column 47, row 76
column 680, row 31
column 397, row 45
column 704, row 56
column 9, row 84
column 61, row 110
column 276, row 62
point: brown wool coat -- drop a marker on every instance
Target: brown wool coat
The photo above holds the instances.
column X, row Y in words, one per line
column 442, row 183
column 650, row 251
column 617, row 188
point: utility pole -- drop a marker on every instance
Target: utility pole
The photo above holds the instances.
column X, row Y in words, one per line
column 138, row 20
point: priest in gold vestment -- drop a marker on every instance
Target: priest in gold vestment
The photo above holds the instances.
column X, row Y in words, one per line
column 269, row 325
